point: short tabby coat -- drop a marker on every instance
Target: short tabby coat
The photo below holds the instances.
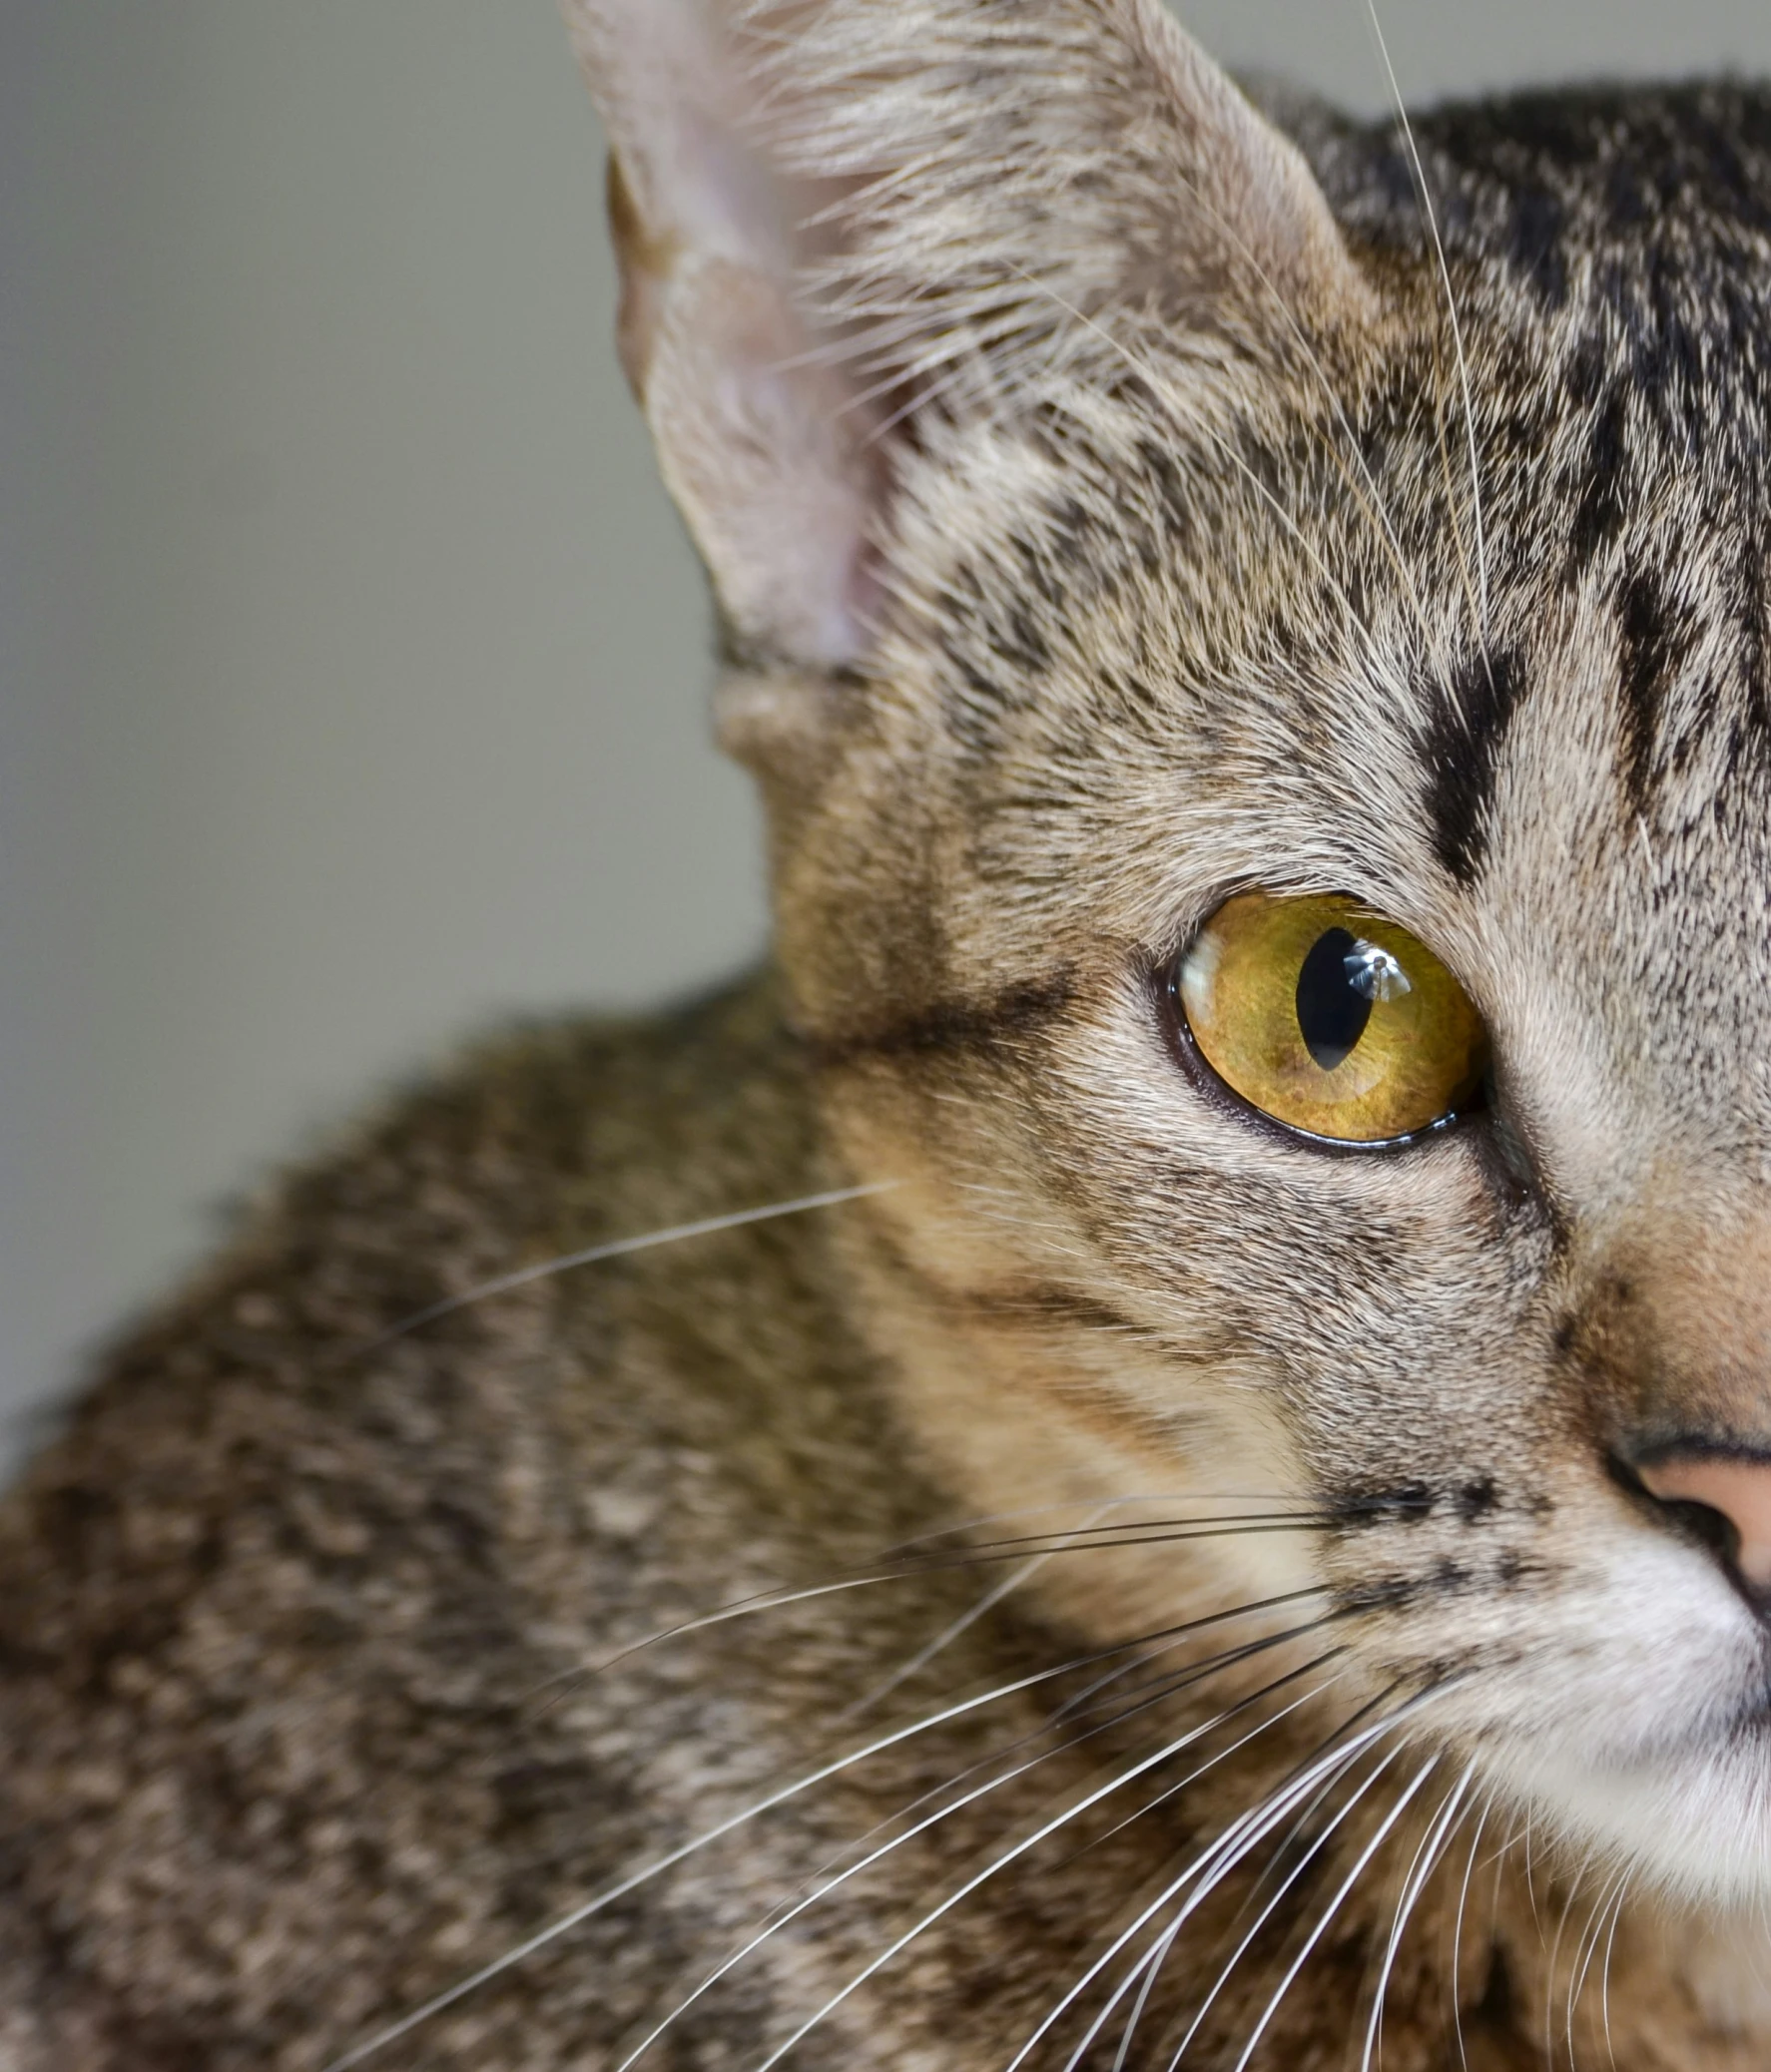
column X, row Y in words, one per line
column 1113, row 500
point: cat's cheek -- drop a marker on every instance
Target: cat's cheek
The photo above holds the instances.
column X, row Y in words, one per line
column 1023, row 1391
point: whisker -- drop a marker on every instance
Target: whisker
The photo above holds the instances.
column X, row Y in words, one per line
column 1588, row 1948
column 1156, row 1534
column 1605, row 1972
column 1333, row 1906
column 955, row 1628
column 1171, row 1637
column 1166, row 1941
column 1219, row 1857
column 1092, row 1799
column 1531, row 1880
column 1555, row 1952
column 1458, row 1938
column 575, row 1916
column 1311, row 1853
column 907, row 1568
column 823, row 1891
column 942, row 1813
column 1420, row 1871
column 618, row 1248
column 1145, row 1698
column 1289, row 1841
column 1142, row 1697
column 1169, row 1792
column 1080, row 1705
column 1445, row 274
column 1169, row 1687
column 1156, row 1956
column 1313, row 1516
column 1154, row 1499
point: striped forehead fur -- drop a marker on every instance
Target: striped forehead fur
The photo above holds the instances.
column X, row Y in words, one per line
column 1621, row 403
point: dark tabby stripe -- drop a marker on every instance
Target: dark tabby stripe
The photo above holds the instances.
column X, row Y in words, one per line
column 1461, row 746
column 1654, row 641
column 950, row 1025
column 1604, row 499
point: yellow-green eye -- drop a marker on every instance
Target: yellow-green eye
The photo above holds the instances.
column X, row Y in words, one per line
column 1330, row 1019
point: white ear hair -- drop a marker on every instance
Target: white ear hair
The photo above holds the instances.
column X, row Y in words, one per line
column 837, row 214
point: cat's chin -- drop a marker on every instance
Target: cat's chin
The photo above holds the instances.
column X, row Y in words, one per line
column 1688, row 1848
column 1693, row 1828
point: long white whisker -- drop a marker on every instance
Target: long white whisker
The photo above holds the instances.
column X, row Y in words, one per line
column 1216, row 1861
column 1605, row 1972
column 1531, row 1879
column 1158, row 1952
column 823, row 1890
column 620, row 1247
column 1169, row 1686
column 1420, row 1871
column 955, row 1628
column 1555, row 1952
column 1305, row 1815
column 1156, row 1499
column 1309, row 1856
column 1128, row 1705
column 1445, row 274
column 1458, row 1939
column 1131, row 1533
column 1205, row 1873
column 1333, row 1906
column 1139, row 1700
column 1588, row 1948
column 564, row 1923
column 931, row 1819
column 901, row 1571
column 1163, row 1755
column 1162, row 1798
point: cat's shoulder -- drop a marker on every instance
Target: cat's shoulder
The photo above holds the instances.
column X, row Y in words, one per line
column 281, row 1608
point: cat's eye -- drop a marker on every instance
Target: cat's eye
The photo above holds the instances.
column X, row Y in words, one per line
column 1329, row 1019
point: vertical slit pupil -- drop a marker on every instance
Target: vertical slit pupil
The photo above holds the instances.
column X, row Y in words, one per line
column 1332, row 1009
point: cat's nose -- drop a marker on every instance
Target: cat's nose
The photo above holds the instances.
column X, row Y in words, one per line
column 1736, row 1490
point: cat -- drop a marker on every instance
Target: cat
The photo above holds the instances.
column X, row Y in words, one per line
column 1154, row 1449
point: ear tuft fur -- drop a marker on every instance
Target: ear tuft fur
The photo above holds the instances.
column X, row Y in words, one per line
column 836, row 215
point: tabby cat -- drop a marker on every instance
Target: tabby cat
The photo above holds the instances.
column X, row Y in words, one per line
column 1154, row 1450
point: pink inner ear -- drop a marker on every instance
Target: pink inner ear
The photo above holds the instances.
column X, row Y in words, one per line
column 725, row 202
column 758, row 443
column 766, row 458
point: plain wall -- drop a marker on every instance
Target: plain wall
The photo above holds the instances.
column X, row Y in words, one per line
column 351, row 663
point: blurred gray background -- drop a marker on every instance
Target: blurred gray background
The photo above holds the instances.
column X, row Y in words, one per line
column 352, row 677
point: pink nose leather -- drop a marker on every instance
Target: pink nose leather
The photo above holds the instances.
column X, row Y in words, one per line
column 1739, row 1489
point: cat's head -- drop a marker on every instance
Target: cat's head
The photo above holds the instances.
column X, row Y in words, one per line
column 1262, row 687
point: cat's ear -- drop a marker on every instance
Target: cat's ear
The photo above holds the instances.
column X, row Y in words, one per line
column 835, row 215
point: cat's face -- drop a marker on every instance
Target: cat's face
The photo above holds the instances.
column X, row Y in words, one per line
column 1203, row 551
